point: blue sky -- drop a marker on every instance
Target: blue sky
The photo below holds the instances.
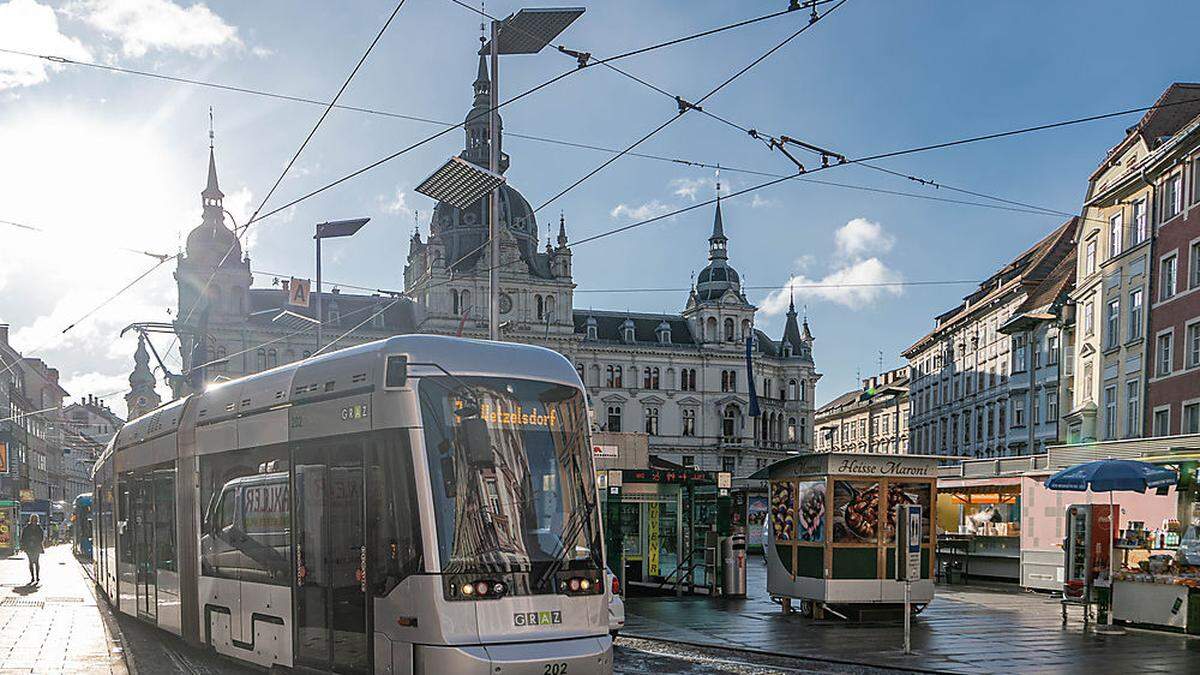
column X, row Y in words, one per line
column 100, row 160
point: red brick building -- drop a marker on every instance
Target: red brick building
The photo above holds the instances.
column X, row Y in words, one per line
column 1172, row 362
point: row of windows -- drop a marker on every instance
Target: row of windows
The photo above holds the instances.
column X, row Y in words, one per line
column 1164, row 350
column 948, row 391
column 1189, row 422
column 729, row 334
column 986, row 422
column 652, row 378
column 1120, row 235
column 1133, row 411
column 1168, row 273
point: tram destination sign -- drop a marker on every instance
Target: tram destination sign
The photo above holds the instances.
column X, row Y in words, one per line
column 667, row 476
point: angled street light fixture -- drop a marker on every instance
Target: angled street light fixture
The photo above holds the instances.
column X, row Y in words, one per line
column 330, row 230
column 459, row 183
column 526, row 32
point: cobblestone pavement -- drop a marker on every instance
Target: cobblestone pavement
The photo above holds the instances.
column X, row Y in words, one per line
column 56, row 626
column 962, row 630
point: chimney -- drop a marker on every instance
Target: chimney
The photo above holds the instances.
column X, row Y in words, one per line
column 3, row 333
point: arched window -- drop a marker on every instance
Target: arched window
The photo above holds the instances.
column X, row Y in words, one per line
column 540, row 307
column 791, row 430
column 791, row 392
column 729, row 423
column 619, row 384
column 729, row 330
column 591, row 331
column 272, row 358
column 627, row 333
column 745, row 329
column 803, row 430
column 803, row 390
column 261, row 359
column 710, row 330
column 454, row 302
column 595, row 379
column 614, row 418
column 464, row 302
column 610, row 380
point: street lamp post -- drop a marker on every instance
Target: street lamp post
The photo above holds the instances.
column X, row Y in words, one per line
column 330, row 230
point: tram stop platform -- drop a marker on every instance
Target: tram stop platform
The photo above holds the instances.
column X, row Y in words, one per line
column 56, row 626
column 964, row 630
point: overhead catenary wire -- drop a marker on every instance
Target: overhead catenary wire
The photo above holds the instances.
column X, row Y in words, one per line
column 685, row 106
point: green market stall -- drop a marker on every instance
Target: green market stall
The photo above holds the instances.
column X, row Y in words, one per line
column 832, row 538
column 663, row 527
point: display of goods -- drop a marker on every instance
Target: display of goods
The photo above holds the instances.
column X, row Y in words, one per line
column 783, row 509
column 812, row 511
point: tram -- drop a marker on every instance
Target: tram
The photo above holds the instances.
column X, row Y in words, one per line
column 81, row 525
column 420, row 504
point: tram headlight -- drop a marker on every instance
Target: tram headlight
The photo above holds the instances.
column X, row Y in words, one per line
column 481, row 588
column 573, row 584
column 468, row 589
column 584, row 584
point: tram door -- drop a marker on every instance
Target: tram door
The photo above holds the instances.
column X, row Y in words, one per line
column 331, row 607
column 144, row 547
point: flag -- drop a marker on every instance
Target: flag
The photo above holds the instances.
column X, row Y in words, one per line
column 754, row 410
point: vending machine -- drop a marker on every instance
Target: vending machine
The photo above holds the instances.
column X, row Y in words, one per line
column 1090, row 530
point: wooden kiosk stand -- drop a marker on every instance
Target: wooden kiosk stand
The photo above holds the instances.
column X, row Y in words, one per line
column 833, row 531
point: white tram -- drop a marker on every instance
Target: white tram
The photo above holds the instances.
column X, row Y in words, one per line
column 420, row 504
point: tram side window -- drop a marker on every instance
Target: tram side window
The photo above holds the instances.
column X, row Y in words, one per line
column 127, row 523
column 246, row 529
column 394, row 526
column 164, row 518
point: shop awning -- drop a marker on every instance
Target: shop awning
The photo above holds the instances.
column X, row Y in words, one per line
column 956, row 484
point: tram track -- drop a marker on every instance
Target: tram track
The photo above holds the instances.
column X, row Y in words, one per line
column 746, row 659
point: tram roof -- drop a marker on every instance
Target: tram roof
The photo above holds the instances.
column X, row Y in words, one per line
column 348, row 369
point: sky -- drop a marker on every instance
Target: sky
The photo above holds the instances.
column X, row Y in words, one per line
column 107, row 164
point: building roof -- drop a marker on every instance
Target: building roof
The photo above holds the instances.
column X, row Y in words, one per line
column 266, row 303
column 645, row 326
column 1029, row 269
column 1175, row 107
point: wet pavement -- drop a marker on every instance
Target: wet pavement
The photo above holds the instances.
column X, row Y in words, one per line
column 55, row 626
column 963, row 630
column 635, row 656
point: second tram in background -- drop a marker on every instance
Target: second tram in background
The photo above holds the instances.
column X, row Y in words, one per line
column 418, row 504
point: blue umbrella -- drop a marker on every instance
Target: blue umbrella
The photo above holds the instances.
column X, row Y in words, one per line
column 1108, row 475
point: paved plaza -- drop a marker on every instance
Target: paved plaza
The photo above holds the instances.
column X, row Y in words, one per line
column 56, row 626
column 964, row 630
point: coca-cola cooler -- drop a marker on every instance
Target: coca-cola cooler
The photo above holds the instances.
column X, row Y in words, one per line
column 1090, row 531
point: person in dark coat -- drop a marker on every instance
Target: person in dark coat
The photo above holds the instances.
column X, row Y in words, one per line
column 33, row 539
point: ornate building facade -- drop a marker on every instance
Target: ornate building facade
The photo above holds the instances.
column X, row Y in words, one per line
column 680, row 378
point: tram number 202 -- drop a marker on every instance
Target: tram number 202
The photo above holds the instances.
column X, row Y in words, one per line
column 555, row 669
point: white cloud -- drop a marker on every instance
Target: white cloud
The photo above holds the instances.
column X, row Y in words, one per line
column 396, row 204
column 758, row 201
column 861, row 237
column 854, row 280
column 688, row 187
column 650, row 209
column 26, row 25
column 144, row 25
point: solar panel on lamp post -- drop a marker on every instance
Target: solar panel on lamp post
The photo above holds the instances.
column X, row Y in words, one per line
column 329, row 230
column 526, row 32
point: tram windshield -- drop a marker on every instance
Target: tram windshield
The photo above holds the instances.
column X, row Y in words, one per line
column 520, row 497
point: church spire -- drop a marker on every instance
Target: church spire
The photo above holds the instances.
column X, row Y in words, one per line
column 717, row 243
column 562, row 229
column 141, row 397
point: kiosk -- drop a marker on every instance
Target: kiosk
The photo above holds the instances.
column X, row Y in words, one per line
column 833, row 531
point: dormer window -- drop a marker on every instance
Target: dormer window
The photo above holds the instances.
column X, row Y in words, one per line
column 664, row 333
column 787, row 350
column 627, row 333
column 591, row 332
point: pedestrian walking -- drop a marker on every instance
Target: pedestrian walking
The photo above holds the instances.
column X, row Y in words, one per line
column 33, row 542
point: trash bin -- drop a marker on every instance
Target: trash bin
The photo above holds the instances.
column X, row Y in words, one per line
column 734, row 583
